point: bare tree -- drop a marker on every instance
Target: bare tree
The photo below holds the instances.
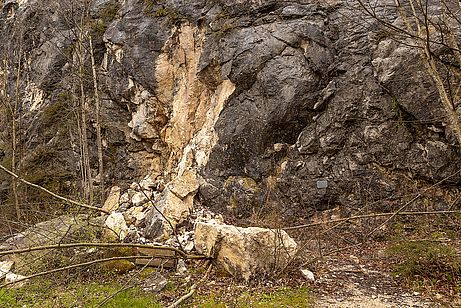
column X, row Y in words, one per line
column 428, row 26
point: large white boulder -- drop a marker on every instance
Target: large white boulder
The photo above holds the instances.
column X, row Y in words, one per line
column 245, row 252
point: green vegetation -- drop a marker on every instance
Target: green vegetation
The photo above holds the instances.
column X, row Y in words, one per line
column 45, row 294
column 285, row 297
column 427, row 264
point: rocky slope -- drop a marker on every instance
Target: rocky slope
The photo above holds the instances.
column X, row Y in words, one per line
column 258, row 106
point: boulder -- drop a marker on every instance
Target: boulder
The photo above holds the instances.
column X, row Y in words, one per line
column 245, row 252
column 113, row 201
column 116, row 224
column 63, row 229
column 58, row 230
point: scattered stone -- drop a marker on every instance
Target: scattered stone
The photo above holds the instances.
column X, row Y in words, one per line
column 125, row 198
column 5, row 268
column 140, row 197
column 181, row 268
column 155, row 283
column 112, row 202
column 189, row 247
column 117, row 225
column 134, row 215
column 308, row 275
column 147, row 183
column 13, row 278
column 322, row 184
column 245, row 252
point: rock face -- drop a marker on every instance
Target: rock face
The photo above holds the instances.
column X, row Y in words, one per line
column 280, row 106
column 245, row 252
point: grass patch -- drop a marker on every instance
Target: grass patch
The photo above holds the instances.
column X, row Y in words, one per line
column 46, row 294
column 284, row 297
column 428, row 264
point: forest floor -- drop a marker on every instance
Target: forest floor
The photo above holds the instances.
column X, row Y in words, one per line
column 412, row 263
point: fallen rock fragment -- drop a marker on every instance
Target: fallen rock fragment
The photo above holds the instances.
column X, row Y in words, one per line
column 245, row 252
column 112, row 202
column 14, row 278
column 175, row 204
column 155, row 283
column 141, row 197
column 5, row 268
column 308, row 275
column 115, row 222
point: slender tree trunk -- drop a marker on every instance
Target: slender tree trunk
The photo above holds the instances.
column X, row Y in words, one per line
column 83, row 111
column 98, row 120
column 14, row 141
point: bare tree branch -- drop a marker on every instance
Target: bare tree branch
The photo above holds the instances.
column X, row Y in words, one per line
column 71, row 245
column 14, row 175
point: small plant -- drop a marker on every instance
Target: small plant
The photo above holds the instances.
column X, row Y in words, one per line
column 427, row 263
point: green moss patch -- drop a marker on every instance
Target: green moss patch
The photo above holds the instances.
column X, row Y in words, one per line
column 284, row 297
column 46, row 294
column 427, row 264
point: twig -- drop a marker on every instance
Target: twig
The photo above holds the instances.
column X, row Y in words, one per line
column 14, row 175
column 125, row 285
column 70, row 245
column 193, row 288
column 56, row 270
column 371, row 216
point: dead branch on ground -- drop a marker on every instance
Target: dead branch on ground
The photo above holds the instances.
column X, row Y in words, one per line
column 193, row 288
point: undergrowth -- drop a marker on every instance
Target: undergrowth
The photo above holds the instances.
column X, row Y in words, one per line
column 45, row 294
column 427, row 265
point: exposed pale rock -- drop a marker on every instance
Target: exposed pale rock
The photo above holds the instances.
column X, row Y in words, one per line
column 308, row 274
column 116, row 223
column 13, row 278
column 5, row 268
column 112, row 202
column 175, row 209
column 147, row 183
column 185, row 184
column 245, row 252
column 140, row 197
column 134, row 215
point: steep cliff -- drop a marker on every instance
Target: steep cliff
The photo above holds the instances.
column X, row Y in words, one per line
column 276, row 106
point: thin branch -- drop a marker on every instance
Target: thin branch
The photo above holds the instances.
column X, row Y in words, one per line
column 371, row 216
column 70, row 245
column 163, row 216
column 193, row 288
column 14, row 175
column 61, row 269
column 125, row 285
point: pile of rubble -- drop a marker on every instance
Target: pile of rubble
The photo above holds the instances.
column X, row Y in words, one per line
column 152, row 212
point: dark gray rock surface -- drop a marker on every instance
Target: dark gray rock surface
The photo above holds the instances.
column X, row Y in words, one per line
column 319, row 95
